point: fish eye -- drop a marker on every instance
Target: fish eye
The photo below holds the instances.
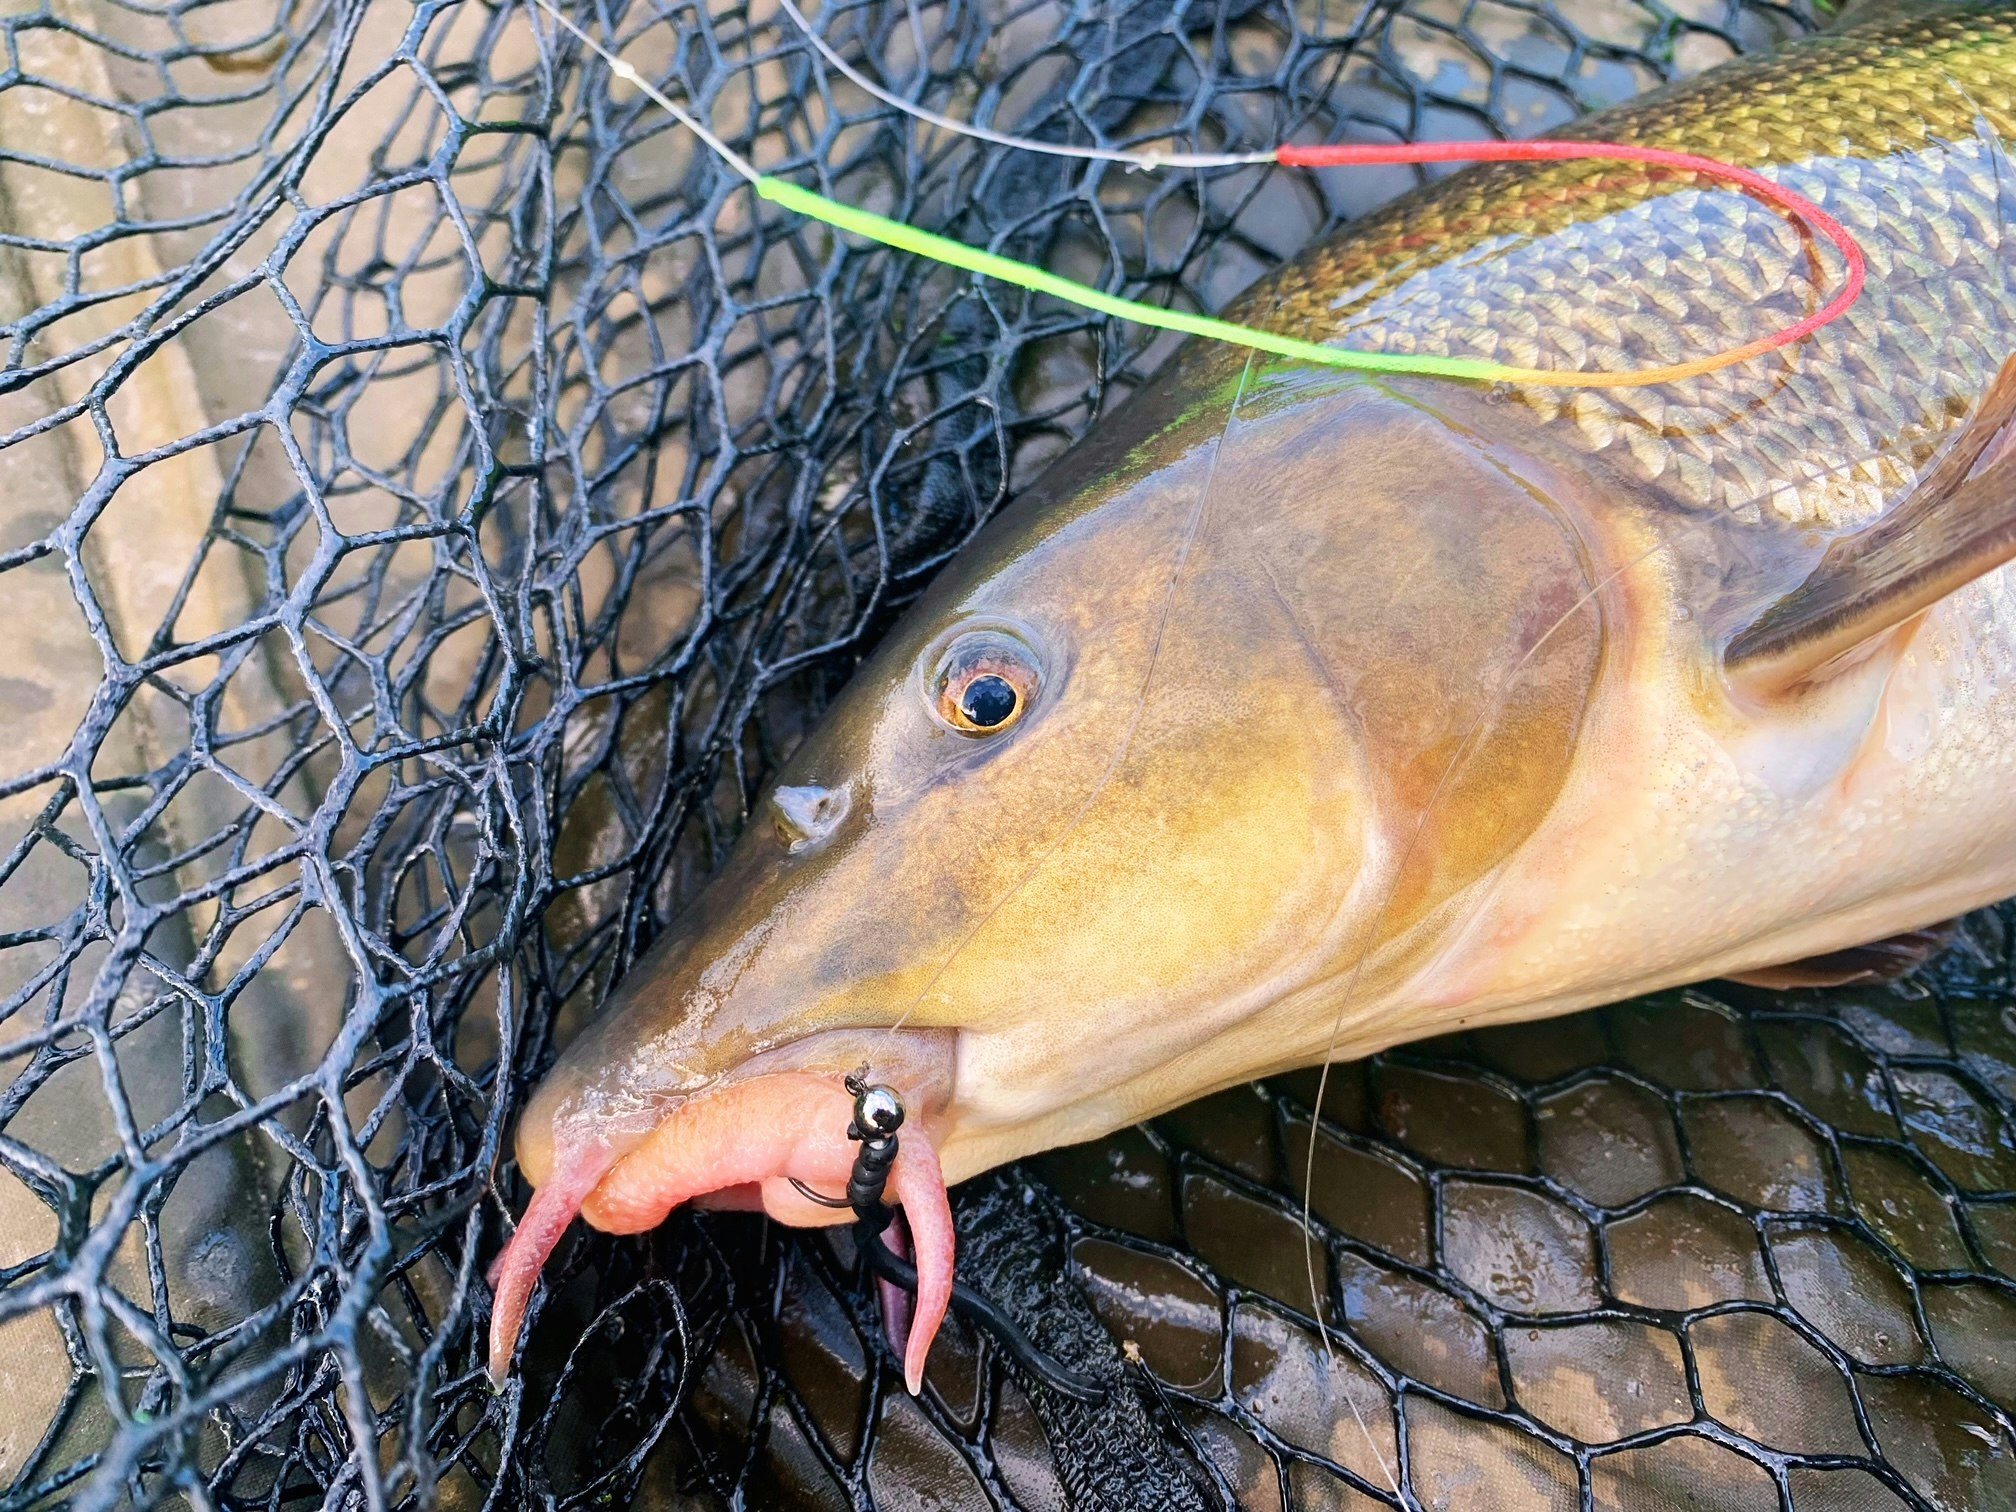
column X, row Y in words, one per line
column 984, row 682
column 989, row 702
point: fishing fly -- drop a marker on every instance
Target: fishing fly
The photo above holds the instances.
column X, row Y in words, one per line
column 876, row 1128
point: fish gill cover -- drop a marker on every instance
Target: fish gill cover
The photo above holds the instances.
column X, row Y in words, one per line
column 433, row 494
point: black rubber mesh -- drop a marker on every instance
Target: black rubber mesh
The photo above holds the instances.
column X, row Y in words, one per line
column 432, row 494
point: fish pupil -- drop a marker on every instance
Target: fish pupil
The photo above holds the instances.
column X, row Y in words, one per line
column 989, row 701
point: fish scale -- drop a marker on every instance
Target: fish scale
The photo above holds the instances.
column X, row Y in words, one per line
column 1900, row 131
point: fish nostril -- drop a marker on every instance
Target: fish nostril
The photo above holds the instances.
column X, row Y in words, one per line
column 807, row 815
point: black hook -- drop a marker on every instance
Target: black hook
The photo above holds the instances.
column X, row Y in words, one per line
column 878, row 1114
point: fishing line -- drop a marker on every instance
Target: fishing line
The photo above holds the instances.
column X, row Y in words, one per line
column 1132, row 159
column 653, row 93
column 903, row 237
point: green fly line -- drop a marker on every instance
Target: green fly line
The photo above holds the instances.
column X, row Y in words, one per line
column 908, row 238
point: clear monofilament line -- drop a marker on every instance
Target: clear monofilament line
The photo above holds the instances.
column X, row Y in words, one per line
column 653, row 93
column 1130, row 157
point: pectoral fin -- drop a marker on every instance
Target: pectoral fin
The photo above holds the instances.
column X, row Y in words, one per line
column 1956, row 525
column 1878, row 961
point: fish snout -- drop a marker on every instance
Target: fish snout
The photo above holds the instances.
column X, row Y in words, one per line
column 806, row 815
column 774, row 1136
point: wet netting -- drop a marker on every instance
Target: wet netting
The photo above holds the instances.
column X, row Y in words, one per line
column 433, row 494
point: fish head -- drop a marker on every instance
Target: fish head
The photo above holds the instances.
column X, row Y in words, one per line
column 1203, row 733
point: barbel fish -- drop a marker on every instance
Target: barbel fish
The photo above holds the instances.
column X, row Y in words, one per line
column 1294, row 714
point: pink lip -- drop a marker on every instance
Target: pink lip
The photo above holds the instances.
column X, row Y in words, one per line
column 741, row 1142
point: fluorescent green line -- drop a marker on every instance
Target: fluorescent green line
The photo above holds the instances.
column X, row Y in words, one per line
column 942, row 249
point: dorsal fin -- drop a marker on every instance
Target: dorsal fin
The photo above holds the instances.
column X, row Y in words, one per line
column 1956, row 525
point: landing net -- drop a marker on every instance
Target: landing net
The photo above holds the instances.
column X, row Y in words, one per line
column 433, row 496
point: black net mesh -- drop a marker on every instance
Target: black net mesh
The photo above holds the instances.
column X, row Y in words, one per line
column 433, row 494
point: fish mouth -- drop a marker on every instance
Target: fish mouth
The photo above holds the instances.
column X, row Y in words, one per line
column 761, row 1139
